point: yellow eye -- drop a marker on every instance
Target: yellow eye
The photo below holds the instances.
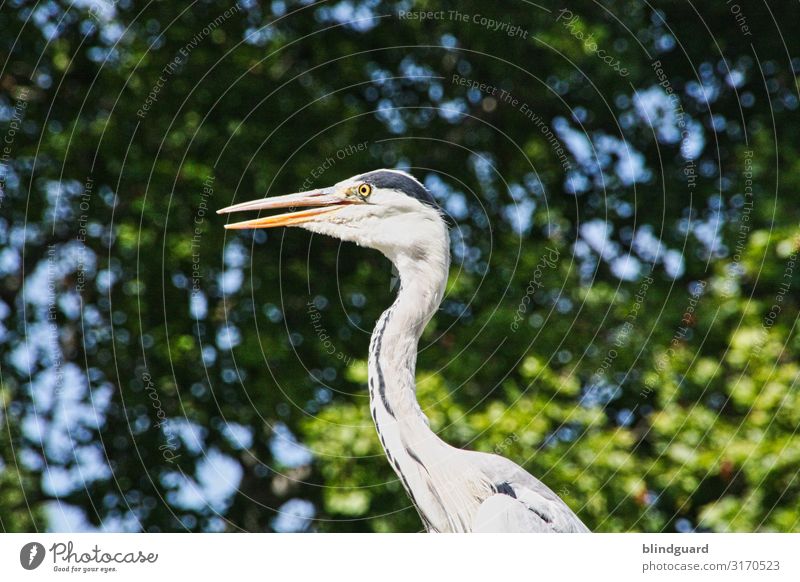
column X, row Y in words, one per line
column 364, row 190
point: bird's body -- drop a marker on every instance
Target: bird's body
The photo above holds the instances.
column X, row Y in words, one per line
column 454, row 490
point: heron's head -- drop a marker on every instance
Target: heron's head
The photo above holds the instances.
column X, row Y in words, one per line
column 387, row 210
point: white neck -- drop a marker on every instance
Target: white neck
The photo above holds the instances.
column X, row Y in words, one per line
column 393, row 349
column 418, row 456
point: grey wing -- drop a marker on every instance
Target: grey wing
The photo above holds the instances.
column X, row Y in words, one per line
column 523, row 504
column 503, row 514
column 521, row 510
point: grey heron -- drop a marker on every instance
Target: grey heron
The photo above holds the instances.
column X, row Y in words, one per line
column 454, row 490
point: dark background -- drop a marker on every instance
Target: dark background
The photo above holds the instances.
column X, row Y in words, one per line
column 622, row 305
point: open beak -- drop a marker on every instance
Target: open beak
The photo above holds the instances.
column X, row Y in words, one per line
column 322, row 201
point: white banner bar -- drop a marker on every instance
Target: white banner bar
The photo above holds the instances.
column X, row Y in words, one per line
column 406, row 557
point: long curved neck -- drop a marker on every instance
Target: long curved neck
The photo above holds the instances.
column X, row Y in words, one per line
column 411, row 447
column 393, row 350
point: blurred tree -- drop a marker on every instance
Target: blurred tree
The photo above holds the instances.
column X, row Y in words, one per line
column 618, row 182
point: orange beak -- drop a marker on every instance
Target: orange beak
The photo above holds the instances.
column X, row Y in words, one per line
column 322, row 200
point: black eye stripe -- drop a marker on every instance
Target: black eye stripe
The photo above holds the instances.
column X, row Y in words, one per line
column 401, row 182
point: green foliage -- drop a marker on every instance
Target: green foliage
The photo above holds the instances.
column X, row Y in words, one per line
column 641, row 414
